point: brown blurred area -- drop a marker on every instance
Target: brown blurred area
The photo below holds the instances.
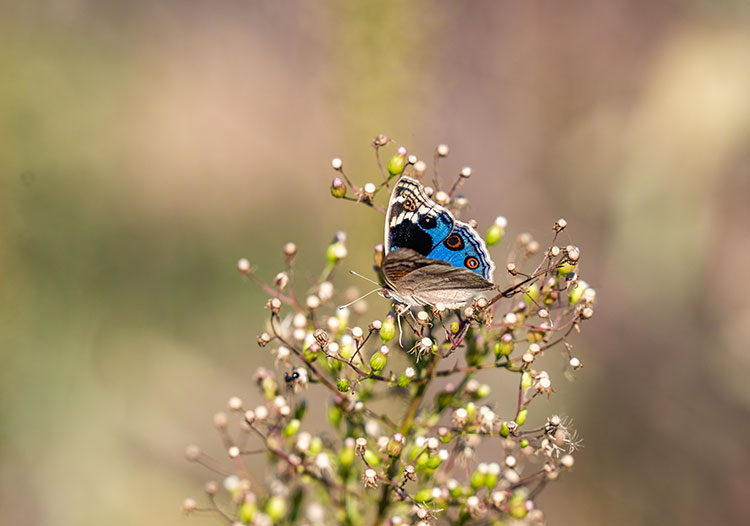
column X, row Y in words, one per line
column 146, row 146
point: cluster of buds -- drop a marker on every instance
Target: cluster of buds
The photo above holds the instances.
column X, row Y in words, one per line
column 391, row 455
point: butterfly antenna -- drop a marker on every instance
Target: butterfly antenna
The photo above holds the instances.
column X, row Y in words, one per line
column 360, row 298
column 364, row 278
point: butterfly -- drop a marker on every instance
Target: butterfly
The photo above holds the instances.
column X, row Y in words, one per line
column 430, row 256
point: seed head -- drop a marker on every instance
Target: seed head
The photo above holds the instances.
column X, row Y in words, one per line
column 243, row 265
column 192, row 452
column 465, row 172
column 189, row 505
column 337, row 163
column 560, row 225
column 442, row 150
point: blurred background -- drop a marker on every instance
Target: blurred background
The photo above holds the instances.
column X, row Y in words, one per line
column 146, row 146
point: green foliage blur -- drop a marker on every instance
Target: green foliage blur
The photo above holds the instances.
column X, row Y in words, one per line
column 146, row 146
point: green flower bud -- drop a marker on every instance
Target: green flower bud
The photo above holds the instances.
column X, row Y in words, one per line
column 471, row 411
column 316, row 445
column 455, row 490
column 335, row 252
column 504, row 346
column 269, row 388
column 397, row 163
column 292, row 427
column 521, row 418
column 423, row 495
column 388, row 329
column 334, row 415
column 524, row 442
column 566, row 268
column 276, row 508
column 379, row 358
column 577, row 292
column 434, row 462
column 532, row 294
column 403, row 380
column 534, row 336
column 517, row 505
column 346, row 456
column 301, row 410
column 422, row 460
column 504, row 430
column 247, row 512
column 454, row 327
column 479, row 477
column 496, row 231
column 493, row 471
column 483, row 391
column 311, row 353
column 338, row 188
column 526, row 380
column 343, row 385
column 372, row 458
column 395, row 445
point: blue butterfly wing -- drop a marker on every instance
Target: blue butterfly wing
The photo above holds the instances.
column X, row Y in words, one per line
column 464, row 248
column 414, row 221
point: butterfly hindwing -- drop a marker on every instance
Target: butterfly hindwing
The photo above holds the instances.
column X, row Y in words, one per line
column 463, row 248
column 416, row 222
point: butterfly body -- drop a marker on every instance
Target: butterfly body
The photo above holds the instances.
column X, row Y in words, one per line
column 430, row 256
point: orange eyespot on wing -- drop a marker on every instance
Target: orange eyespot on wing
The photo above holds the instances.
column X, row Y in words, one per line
column 471, row 262
column 454, row 242
column 409, row 204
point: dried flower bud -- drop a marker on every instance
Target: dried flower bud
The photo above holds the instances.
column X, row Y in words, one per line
column 459, row 417
column 263, row 339
column 395, row 445
column 274, row 305
column 410, row 473
column 312, row 302
column 369, row 478
column 380, row 140
column 575, row 363
column 560, row 225
column 321, row 337
column 511, row 268
column 411, row 159
column 368, row 191
column 360, row 445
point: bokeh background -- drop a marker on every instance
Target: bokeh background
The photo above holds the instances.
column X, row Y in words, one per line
column 146, row 146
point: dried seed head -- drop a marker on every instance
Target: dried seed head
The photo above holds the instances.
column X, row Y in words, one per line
column 554, row 251
column 420, row 167
column 368, row 191
column 442, row 150
column 290, row 249
column 574, row 253
column 192, row 452
column 587, row 313
column 410, row 473
column 380, row 140
column 233, row 452
column 337, row 163
column 511, row 268
column 442, row 198
column 412, row 159
column 312, row 302
column 423, row 317
column 249, row 416
column 459, row 417
column 465, row 172
column 220, row 421
column 532, row 247
column 325, row 291
column 243, row 265
column 281, row 280
column 321, row 337
column 263, row 339
column 360, row 445
column 560, row 225
column 189, row 505
column 575, row 363
column 235, row 404
column 210, row 487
